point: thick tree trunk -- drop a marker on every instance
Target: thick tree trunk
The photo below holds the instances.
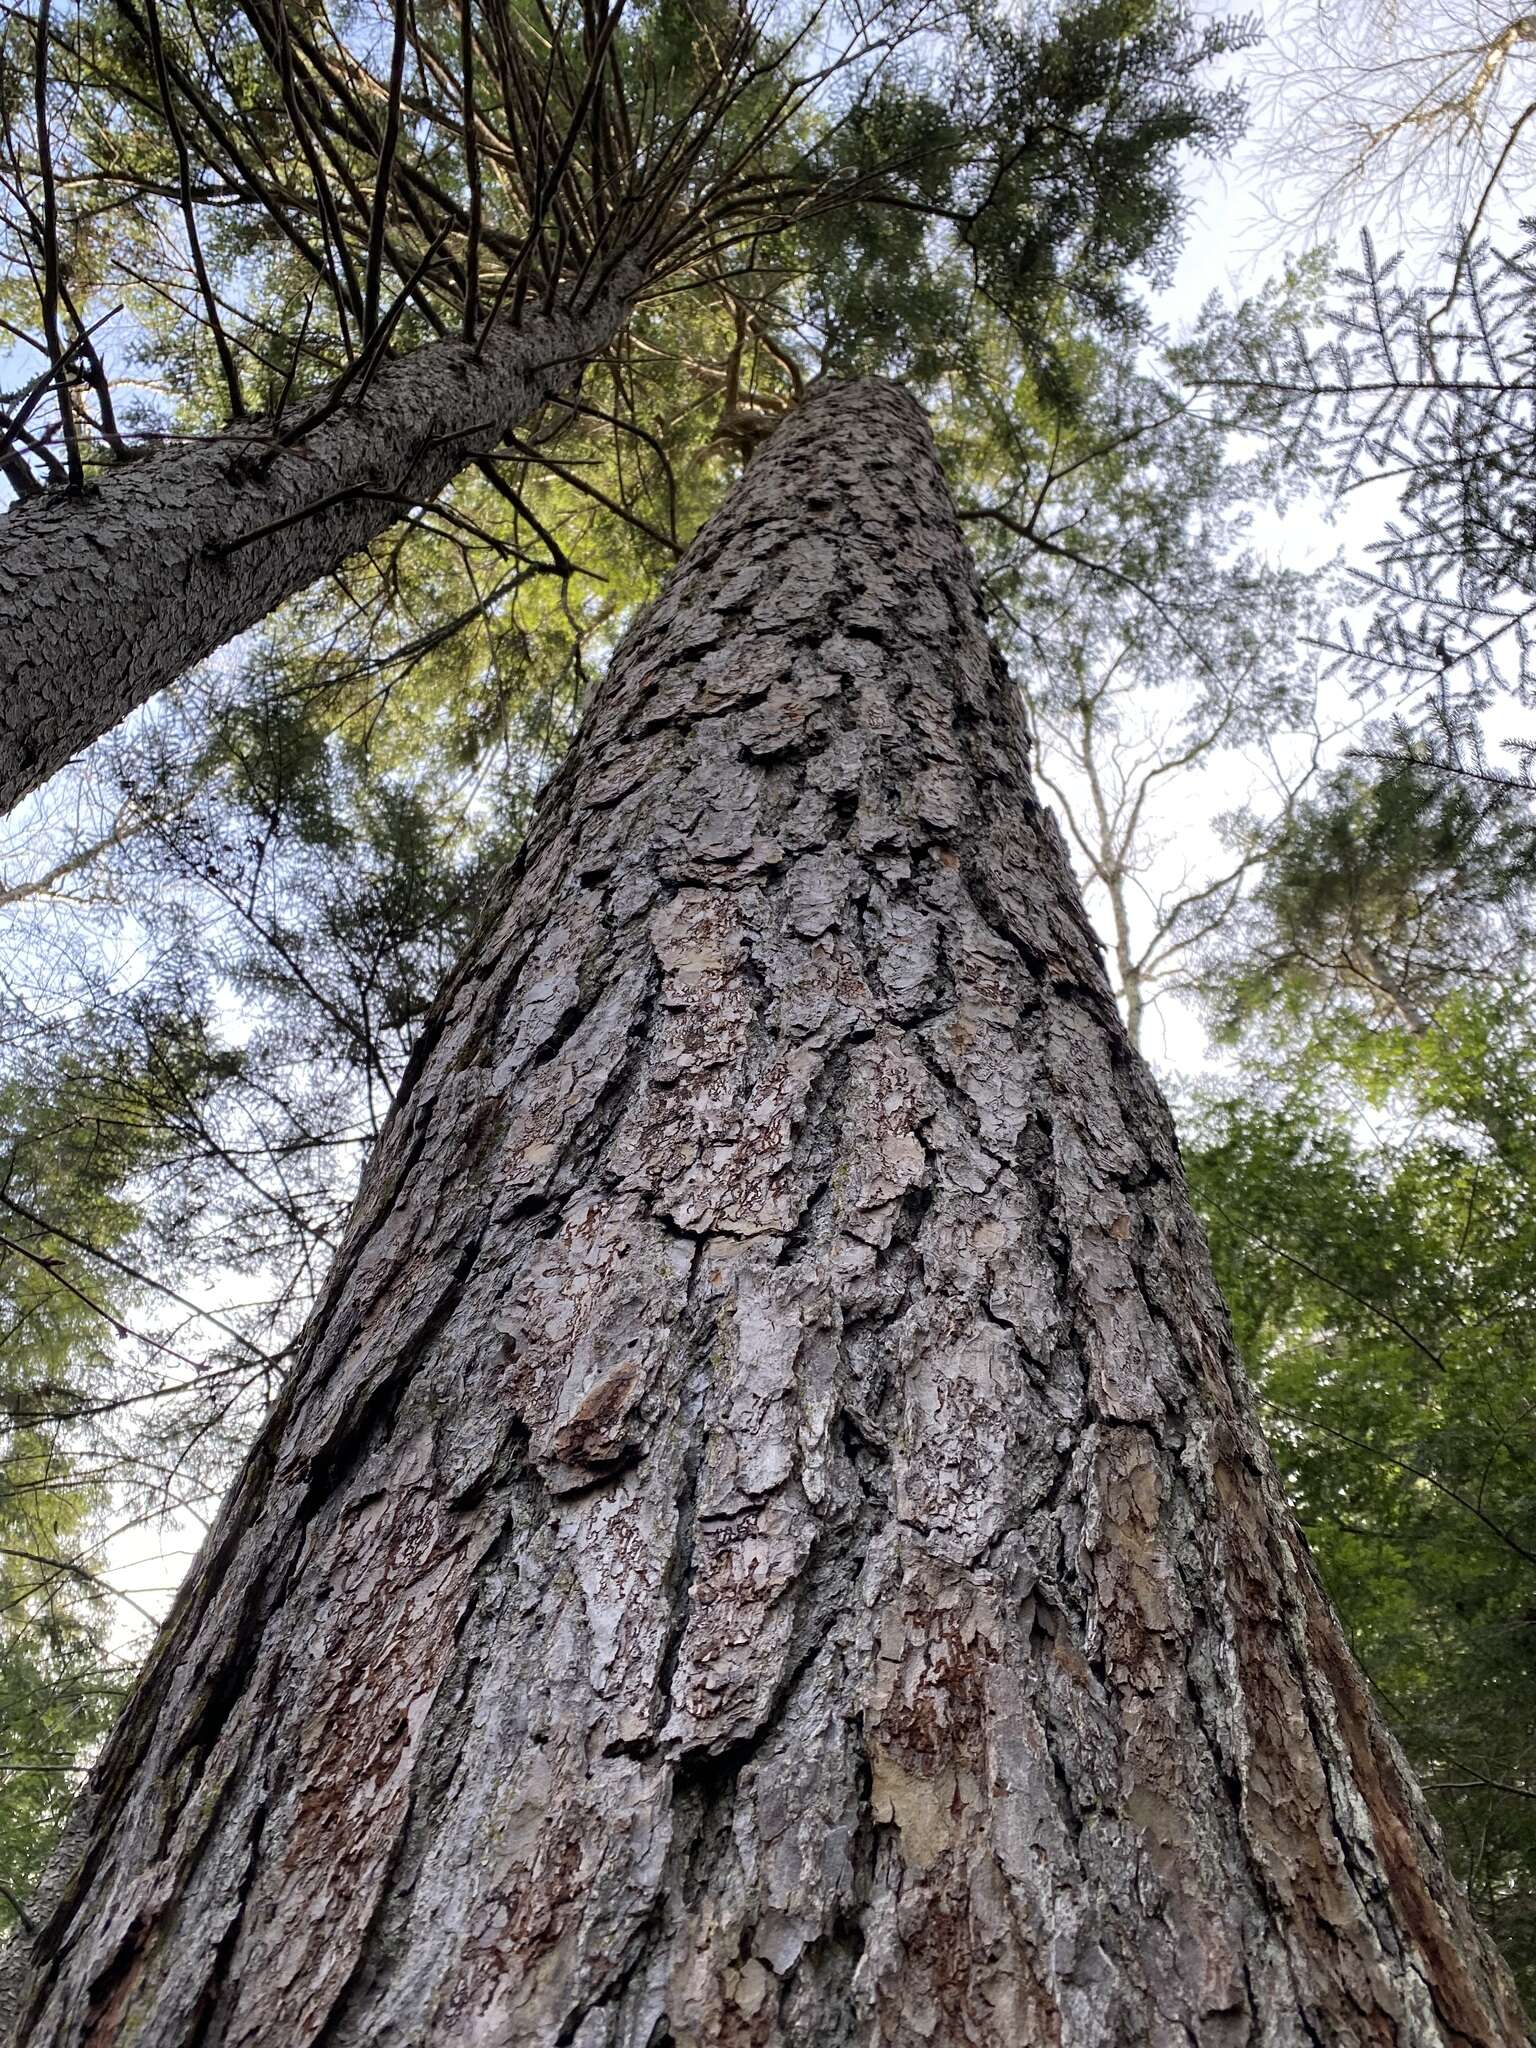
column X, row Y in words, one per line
column 107, row 597
column 768, row 1542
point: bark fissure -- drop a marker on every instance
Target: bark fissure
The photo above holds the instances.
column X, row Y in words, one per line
column 767, row 1541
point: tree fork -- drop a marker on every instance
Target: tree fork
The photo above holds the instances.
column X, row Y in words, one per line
column 109, row 594
column 767, row 1540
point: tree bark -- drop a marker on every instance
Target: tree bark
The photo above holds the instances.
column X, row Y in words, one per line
column 767, row 1541
column 108, row 596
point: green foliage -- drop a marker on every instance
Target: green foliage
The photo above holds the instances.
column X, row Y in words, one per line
column 1395, row 887
column 1029, row 180
column 1138, row 503
column 1368, row 1199
column 58, row 1691
column 85, row 1116
column 1381, row 1295
column 1424, row 388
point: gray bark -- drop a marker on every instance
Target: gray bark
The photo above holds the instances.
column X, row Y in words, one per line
column 768, row 1541
column 107, row 597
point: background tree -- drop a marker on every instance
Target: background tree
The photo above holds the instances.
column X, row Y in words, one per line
column 1154, row 642
column 1365, row 1180
column 1412, row 117
column 534, row 175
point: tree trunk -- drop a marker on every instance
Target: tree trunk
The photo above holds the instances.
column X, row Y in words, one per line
column 767, row 1542
column 108, row 596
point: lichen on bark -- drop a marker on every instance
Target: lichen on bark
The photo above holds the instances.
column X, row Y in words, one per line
column 767, row 1541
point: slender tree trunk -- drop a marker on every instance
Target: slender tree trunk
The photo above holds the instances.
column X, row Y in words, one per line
column 107, row 597
column 767, row 1542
